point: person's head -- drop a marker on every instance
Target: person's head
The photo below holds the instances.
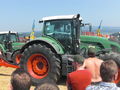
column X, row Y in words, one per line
column 20, row 80
column 91, row 51
column 108, row 71
column 78, row 61
column 47, row 86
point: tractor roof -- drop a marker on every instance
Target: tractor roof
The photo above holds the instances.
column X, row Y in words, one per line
column 5, row 32
column 60, row 17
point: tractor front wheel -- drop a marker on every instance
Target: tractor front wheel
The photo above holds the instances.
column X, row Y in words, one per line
column 41, row 64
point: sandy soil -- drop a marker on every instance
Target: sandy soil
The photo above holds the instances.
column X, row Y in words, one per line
column 5, row 74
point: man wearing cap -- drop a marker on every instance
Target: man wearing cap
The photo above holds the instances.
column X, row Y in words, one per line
column 93, row 65
column 80, row 78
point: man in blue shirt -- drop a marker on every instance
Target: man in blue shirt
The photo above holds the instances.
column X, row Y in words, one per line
column 108, row 72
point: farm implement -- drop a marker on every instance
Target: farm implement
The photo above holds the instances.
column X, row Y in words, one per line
column 6, row 64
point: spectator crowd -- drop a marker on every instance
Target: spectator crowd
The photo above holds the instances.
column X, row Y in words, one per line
column 93, row 73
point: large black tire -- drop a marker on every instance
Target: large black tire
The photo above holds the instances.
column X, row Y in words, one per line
column 16, row 57
column 113, row 56
column 46, row 59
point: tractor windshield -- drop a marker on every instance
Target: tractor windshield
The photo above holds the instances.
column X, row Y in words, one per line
column 57, row 27
column 60, row 30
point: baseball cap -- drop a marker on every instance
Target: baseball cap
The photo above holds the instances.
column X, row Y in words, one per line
column 91, row 50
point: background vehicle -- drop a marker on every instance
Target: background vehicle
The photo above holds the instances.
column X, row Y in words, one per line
column 115, row 37
column 101, row 41
column 48, row 57
column 10, row 46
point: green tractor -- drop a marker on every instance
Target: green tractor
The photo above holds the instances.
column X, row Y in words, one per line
column 10, row 47
column 100, row 43
column 88, row 37
column 48, row 57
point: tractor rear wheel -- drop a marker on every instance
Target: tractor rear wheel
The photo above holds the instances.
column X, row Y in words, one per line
column 41, row 64
column 116, row 57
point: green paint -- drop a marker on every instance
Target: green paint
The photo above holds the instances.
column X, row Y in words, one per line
column 99, row 43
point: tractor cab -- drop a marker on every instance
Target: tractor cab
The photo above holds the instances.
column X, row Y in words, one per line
column 7, row 38
column 65, row 29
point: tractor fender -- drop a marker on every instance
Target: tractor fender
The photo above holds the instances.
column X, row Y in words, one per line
column 56, row 47
column 2, row 48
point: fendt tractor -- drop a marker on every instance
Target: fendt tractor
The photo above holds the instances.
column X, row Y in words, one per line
column 10, row 47
column 48, row 57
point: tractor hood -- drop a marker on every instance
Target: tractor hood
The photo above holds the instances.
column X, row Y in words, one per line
column 92, row 38
column 104, row 42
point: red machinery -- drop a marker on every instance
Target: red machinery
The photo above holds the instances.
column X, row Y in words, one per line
column 6, row 64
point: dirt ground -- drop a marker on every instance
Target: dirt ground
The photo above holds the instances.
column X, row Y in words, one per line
column 5, row 74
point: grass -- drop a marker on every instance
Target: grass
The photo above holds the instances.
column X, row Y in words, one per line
column 5, row 74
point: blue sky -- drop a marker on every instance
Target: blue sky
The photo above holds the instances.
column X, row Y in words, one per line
column 18, row 15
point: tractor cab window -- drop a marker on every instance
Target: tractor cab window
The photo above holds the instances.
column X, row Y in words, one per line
column 56, row 27
column 61, row 31
column 13, row 38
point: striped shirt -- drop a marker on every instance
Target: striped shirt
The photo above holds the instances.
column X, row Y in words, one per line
column 103, row 86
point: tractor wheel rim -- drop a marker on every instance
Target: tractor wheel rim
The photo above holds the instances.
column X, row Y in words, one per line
column 38, row 66
column 18, row 58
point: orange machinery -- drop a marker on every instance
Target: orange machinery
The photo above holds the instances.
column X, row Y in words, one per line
column 6, row 64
